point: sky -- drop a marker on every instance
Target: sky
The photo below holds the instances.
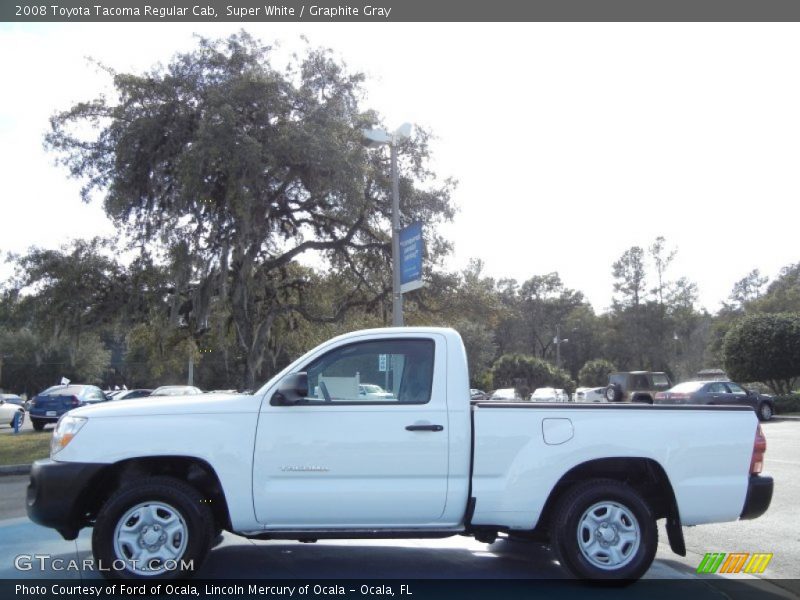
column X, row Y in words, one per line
column 570, row 142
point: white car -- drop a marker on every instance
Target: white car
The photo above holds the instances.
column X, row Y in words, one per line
column 370, row 390
column 8, row 410
column 586, row 394
column 176, row 390
column 548, row 394
column 504, row 395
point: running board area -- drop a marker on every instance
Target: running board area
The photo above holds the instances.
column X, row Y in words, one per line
column 312, row 535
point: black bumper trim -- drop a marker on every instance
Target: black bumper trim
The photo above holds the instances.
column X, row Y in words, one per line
column 54, row 494
column 759, row 496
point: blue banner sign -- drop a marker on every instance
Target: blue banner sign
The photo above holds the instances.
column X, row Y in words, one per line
column 411, row 257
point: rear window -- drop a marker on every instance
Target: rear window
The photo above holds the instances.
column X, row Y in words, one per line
column 70, row 390
column 660, row 380
column 687, row 387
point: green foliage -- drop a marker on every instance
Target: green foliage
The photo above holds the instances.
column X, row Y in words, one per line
column 31, row 362
column 789, row 403
column 526, row 373
column 765, row 348
column 595, row 373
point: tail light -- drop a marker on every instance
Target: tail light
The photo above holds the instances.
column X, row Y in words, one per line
column 759, row 449
column 74, row 401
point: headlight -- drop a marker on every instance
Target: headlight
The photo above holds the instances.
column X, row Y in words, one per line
column 66, row 429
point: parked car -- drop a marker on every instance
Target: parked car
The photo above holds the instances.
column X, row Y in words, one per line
column 161, row 480
column 131, row 394
column 475, row 394
column 548, row 394
column 49, row 405
column 586, row 394
column 504, row 395
column 8, row 410
column 14, row 399
column 176, row 390
column 719, row 393
column 636, row 386
column 371, row 390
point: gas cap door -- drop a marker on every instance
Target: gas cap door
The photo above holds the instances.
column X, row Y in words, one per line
column 557, row 431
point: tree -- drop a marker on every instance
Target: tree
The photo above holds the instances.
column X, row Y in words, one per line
column 661, row 259
column 629, row 273
column 595, row 372
column 240, row 170
column 765, row 348
column 526, row 373
column 747, row 289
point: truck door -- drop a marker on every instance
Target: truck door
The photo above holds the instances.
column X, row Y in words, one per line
column 367, row 446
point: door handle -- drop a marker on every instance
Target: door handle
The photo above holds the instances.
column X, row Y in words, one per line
column 424, row 427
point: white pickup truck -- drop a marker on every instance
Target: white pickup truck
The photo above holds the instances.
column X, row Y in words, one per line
column 308, row 457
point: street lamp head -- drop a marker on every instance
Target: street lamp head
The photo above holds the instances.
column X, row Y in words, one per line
column 376, row 137
column 403, row 132
column 380, row 137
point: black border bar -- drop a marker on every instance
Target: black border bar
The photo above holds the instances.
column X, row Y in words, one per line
column 382, row 11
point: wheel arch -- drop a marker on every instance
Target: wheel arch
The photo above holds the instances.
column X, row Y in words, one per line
column 643, row 474
column 192, row 470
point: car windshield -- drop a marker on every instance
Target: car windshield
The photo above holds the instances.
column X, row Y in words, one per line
column 687, row 387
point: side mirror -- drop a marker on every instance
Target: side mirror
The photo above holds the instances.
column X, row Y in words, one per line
column 291, row 390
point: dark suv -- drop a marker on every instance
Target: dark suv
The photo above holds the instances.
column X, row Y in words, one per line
column 636, row 386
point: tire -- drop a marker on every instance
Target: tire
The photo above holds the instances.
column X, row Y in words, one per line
column 162, row 511
column 604, row 530
column 21, row 419
column 37, row 424
column 613, row 393
column 765, row 411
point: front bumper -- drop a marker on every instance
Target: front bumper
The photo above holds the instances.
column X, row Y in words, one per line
column 759, row 496
column 56, row 492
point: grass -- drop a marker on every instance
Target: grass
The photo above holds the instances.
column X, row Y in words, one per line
column 25, row 447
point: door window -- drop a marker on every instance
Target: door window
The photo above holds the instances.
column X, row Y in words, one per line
column 378, row 372
column 736, row 389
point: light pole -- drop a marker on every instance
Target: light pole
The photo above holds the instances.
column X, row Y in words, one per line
column 381, row 137
column 558, row 341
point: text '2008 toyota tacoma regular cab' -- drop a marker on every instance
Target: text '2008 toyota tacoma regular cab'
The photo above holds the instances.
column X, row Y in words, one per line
column 372, row 434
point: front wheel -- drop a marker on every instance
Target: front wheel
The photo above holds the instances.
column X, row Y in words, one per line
column 613, row 393
column 159, row 528
column 604, row 530
column 765, row 411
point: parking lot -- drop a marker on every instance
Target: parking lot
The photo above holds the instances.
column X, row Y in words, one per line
column 777, row 532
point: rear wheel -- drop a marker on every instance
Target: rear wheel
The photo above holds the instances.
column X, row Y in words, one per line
column 37, row 424
column 604, row 530
column 765, row 411
column 159, row 528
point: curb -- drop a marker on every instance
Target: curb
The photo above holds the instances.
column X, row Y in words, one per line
column 15, row 470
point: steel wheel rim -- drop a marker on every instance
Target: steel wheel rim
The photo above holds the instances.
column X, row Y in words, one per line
column 150, row 538
column 608, row 535
column 766, row 411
